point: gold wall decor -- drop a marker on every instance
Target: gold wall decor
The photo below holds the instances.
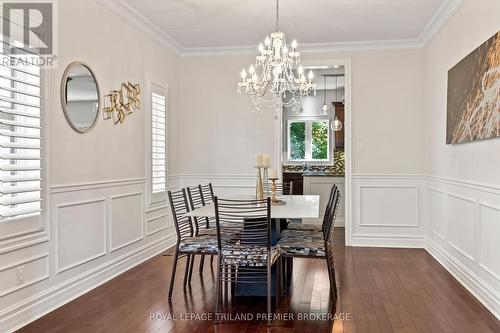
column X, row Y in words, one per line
column 120, row 103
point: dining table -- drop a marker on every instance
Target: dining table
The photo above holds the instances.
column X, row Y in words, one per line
column 291, row 207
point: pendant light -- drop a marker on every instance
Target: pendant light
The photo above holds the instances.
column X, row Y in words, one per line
column 336, row 125
column 324, row 109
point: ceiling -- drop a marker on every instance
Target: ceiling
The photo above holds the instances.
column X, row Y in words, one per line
column 192, row 24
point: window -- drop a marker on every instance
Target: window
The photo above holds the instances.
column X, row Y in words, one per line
column 158, row 144
column 309, row 140
column 20, row 139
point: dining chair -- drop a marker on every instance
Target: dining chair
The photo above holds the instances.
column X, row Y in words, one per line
column 329, row 252
column 188, row 244
column 196, row 200
column 207, row 191
column 314, row 245
column 202, row 224
column 246, row 255
column 312, row 227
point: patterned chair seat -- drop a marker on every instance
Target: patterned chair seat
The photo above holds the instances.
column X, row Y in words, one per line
column 302, row 234
column 206, row 244
column 301, row 245
column 247, row 255
column 304, row 227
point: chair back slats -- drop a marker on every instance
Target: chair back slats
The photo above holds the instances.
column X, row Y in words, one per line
column 179, row 206
column 329, row 245
column 333, row 210
column 328, row 209
column 207, row 193
column 196, row 201
column 243, row 222
column 329, row 232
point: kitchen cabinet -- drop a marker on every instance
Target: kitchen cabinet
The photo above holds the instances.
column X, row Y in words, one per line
column 321, row 185
column 297, row 179
column 339, row 135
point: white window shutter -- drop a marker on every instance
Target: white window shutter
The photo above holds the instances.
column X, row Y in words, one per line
column 20, row 139
column 158, row 140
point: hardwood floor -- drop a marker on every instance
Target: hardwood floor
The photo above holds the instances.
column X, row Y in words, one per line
column 381, row 290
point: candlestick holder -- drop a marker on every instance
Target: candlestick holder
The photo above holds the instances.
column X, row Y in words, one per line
column 267, row 189
column 259, row 190
column 274, row 200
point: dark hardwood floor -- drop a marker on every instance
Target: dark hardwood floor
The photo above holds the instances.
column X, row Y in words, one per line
column 381, row 290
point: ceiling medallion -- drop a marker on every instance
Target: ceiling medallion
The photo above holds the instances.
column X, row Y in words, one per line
column 274, row 71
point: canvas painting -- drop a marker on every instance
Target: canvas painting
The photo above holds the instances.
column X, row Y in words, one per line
column 474, row 95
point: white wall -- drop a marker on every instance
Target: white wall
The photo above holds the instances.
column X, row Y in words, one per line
column 98, row 223
column 387, row 119
column 464, row 180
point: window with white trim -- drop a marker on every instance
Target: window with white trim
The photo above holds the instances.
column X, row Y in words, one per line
column 308, row 140
column 158, row 141
column 20, row 139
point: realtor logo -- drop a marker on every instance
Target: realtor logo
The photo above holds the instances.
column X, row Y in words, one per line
column 28, row 31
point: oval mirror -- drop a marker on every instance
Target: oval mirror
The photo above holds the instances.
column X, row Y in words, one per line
column 80, row 97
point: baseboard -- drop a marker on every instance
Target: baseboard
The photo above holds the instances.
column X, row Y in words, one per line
column 21, row 314
column 470, row 281
column 396, row 241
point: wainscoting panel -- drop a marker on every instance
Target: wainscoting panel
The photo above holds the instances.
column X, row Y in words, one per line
column 81, row 232
column 490, row 239
column 388, row 211
column 126, row 222
column 461, row 229
column 436, row 214
column 469, row 244
column 376, row 201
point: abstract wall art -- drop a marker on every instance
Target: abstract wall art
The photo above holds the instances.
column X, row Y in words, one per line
column 474, row 95
column 120, row 103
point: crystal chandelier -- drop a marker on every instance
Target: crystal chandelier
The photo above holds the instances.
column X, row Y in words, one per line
column 274, row 71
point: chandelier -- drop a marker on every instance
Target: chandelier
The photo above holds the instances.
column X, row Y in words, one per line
column 274, row 72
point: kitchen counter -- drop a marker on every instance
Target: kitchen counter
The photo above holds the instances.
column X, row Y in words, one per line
column 322, row 174
column 335, row 170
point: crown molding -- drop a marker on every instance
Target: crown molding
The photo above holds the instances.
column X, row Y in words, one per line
column 124, row 10
column 445, row 12
column 310, row 48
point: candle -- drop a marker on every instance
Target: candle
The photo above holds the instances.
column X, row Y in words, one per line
column 273, row 174
column 266, row 161
column 259, row 161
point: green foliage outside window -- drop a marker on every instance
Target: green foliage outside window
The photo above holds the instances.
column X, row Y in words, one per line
column 320, row 140
column 297, row 141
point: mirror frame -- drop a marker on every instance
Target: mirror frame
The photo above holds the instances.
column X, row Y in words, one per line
column 63, row 94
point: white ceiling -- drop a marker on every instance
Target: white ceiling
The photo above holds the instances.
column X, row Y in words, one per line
column 191, row 24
